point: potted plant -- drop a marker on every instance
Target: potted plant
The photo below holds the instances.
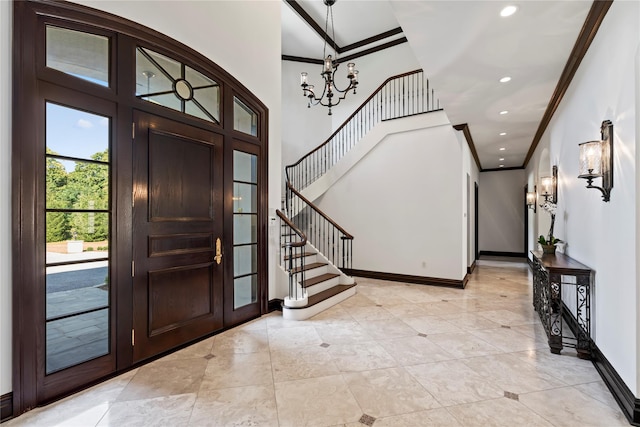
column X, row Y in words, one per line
column 549, row 243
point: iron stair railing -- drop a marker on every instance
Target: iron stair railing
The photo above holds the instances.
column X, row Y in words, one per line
column 329, row 238
column 399, row 96
column 292, row 245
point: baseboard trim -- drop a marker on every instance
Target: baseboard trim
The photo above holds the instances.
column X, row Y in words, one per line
column 505, row 254
column 395, row 277
column 628, row 403
column 6, row 407
column 471, row 268
column 274, row 305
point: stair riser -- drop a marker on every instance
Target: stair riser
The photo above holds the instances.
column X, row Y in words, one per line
column 310, row 259
column 305, row 313
column 314, row 272
column 316, row 289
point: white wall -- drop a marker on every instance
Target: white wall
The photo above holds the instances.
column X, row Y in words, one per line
column 501, row 211
column 6, row 21
column 241, row 37
column 394, row 204
column 603, row 235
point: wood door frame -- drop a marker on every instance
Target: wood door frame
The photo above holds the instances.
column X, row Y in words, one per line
column 27, row 75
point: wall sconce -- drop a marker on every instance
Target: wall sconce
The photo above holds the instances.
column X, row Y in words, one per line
column 532, row 197
column 549, row 186
column 596, row 160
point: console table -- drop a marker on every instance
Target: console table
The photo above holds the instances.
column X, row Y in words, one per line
column 549, row 271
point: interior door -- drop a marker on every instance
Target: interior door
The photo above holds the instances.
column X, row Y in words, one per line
column 178, row 240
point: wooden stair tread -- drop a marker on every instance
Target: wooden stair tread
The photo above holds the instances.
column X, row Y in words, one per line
column 324, row 295
column 319, row 279
column 310, row 266
column 300, row 255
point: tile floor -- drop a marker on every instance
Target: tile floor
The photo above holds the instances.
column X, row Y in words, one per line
column 393, row 355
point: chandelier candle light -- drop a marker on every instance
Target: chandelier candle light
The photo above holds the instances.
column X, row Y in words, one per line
column 329, row 68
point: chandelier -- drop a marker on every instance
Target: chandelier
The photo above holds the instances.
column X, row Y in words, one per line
column 331, row 94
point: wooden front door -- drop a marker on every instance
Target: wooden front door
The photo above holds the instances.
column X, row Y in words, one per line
column 177, row 234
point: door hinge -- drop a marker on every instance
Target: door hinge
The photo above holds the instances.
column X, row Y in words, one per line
column 133, row 130
column 133, row 337
column 133, row 269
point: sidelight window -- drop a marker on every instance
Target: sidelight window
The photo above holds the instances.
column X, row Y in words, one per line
column 77, row 230
column 245, row 228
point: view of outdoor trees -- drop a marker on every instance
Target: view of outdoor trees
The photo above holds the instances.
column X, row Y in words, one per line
column 84, row 187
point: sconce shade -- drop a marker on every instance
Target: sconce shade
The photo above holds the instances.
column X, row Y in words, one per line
column 590, row 159
column 546, row 182
column 596, row 160
column 531, row 198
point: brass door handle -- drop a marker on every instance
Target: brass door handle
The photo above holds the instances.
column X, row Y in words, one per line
column 218, row 256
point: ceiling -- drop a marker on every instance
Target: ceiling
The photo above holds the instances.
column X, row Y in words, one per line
column 464, row 48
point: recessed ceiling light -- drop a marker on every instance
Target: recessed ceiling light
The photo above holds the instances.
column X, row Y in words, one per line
column 508, row 11
column 502, row 148
column 501, row 159
column 503, row 133
column 501, row 166
column 505, row 79
column 504, row 112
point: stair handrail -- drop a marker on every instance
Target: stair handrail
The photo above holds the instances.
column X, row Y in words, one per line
column 362, row 106
column 347, row 235
column 293, row 250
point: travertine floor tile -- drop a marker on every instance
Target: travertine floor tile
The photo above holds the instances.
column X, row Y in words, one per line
column 463, row 344
column 159, row 411
column 361, row 357
column 434, row 417
column 570, row 407
column 497, row 412
column 452, row 382
column 236, row 370
column 323, row 401
column 414, row 350
column 300, row 363
column 392, row 391
column 241, row 341
column 239, row 406
column 165, row 378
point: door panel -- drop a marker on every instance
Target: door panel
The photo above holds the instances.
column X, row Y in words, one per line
column 177, row 219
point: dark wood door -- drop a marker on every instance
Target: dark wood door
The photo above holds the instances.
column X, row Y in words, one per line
column 178, row 239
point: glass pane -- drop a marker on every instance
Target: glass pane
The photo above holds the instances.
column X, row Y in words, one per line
column 168, row 100
column 245, row 260
column 205, row 91
column 150, row 78
column 244, row 229
column 168, row 67
column 61, row 244
column 245, row 167
column 245, row 198
column 77, row 339
column 244, row 119
column 77, row 185
column 79, row 54
column 192, row 109
column 245, row 291
column 76, row 288
column 75, row 133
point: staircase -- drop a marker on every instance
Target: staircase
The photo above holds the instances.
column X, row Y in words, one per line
column 317, row 252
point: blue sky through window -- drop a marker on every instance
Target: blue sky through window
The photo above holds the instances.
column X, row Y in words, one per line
column 75, row 133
